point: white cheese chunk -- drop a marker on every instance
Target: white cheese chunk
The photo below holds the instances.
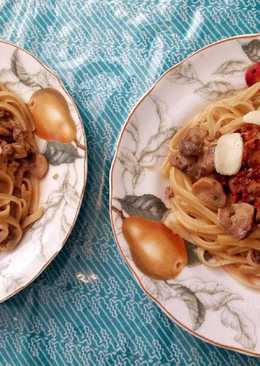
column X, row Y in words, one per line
column 228, row 154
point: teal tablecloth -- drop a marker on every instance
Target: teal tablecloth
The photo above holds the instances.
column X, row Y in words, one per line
column 86, row 309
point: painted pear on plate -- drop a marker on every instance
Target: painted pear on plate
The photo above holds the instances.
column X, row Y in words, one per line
column 52, row 117
column 156, row 250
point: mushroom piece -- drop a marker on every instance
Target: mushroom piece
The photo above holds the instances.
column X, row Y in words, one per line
column 187, row 165
column 237, row 220
column 192, row 143
column 181, row 162
column 206, row 161
column 210, row 192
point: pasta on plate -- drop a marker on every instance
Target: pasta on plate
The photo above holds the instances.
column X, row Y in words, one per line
column 213, row 168
column 21, row 169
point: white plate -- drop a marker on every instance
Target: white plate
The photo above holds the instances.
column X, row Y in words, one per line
column 208, row 303
column 61, row 190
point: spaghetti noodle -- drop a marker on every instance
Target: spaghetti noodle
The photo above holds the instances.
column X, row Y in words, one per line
column 21, row 169
column 195, row 222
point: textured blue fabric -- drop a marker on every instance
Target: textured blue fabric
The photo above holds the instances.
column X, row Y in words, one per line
column 86, row 309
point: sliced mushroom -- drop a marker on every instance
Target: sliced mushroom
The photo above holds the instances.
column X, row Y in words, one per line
column 210, row 192
column 181, row 162
column 206, row 161
column 237, row 220
column 188, row 165
column 224, row 217
column 192, row 143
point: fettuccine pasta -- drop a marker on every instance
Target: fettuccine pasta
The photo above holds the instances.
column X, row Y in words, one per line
column 191, row 218
column 21, row 169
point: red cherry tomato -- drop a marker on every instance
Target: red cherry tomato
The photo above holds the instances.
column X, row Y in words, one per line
column 253, row 74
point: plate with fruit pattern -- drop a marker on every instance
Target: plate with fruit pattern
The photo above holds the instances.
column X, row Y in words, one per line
column 207, row 302
column 60, row 143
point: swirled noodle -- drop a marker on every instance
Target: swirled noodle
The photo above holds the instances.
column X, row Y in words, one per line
column 19, row 173
column 199, row 224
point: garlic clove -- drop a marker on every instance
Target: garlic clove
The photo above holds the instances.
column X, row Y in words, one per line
column 228, row 154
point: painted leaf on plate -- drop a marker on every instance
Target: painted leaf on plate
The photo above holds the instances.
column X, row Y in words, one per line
column 215, row 89
column 244, row 328
column 71, row 196
column 7, row 76
column 215, row 301
column 147, row 206
column 133, row 132
column 20, row 72
column 211, row 294
column 44, row 79
column 129, row 161
column 196, row 308
column 158, row 289
column 19, row 88
column 231, row 67
column 65, row 224
column 52, row 205
column 54, row 199
column 156, row 141
column 184, row 74
column 162, row 110
column 252, row 50
column 57, row 153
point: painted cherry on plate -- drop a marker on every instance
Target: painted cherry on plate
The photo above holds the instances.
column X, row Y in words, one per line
column 253, row 74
